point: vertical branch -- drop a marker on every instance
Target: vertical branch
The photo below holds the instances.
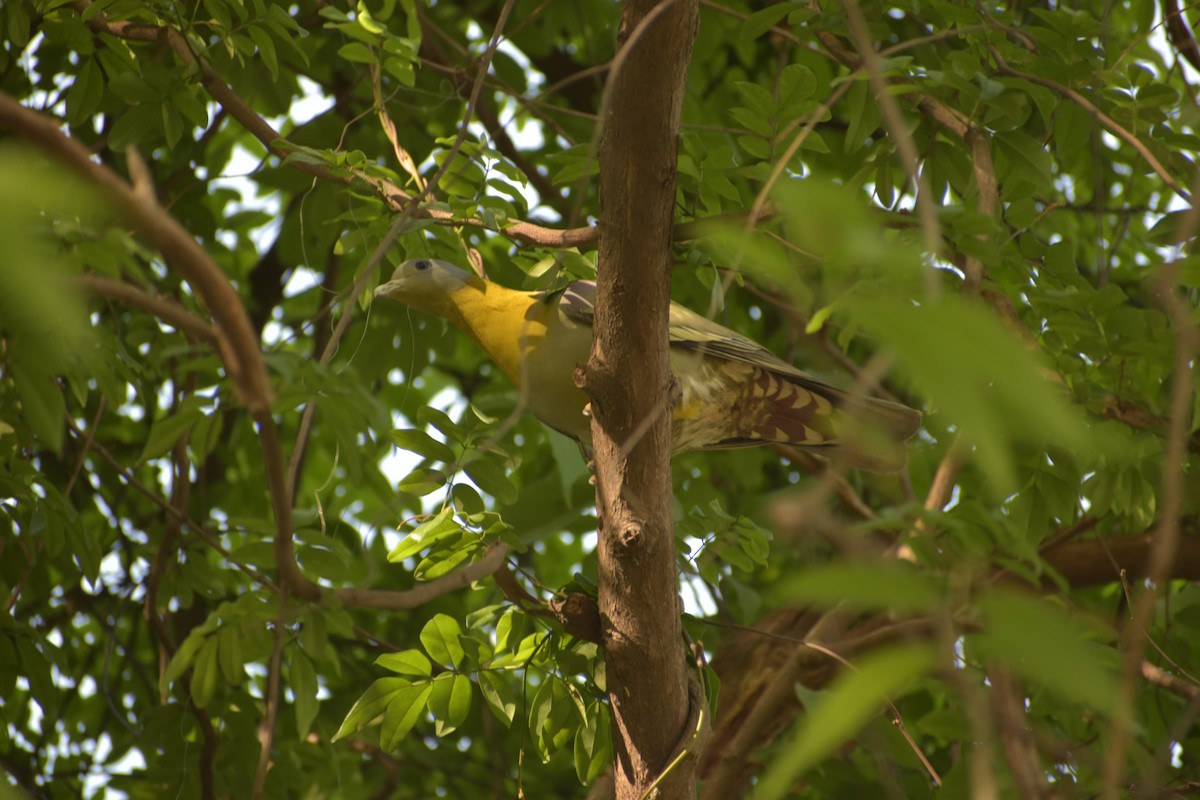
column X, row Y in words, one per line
column 628, row 379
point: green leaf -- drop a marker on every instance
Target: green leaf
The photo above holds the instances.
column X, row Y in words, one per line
column 884, row 586
column 593, row 743
column 1025, row 155
column 760, row 22
column 18, row 25
column 138, row 125
column 303, row 679
column 577, row 164
column 439, row 637
column 1049, row 647
column 368, row 22
column 553, row 717
column 133, row 88
column 85, row 94
column 489, row 475
column 205, row 673
column 755, row 122
column 411, row 663
column 426, row 535
column 838, row 712
column 84, row 543
column 165, row 432
column 968, row 364
column 498, row 695
column 422, row 444
column 356, row 51
column 182, row 659
column 445, row 560
column 508, row 627
column 796, row 84
column 571, row 467
column 42, row 402
column 422, row 481
column 229, row 654
column 757, row 98
column 865, row 116
column 406, row 708
column 266, row 49
column 206, row 434
column 374, row 702
column 428, row 415
column 190, row 106
column 324, row 563
column 172, row 125
column 401, row 69
column 466, row 499
column 450, row 702
column 36, row 669
column 220, row 13
column 44, row 322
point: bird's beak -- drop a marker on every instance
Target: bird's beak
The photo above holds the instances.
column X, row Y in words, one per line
column 385, row 289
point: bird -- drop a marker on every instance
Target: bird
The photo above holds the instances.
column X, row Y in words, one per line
column 731, row 391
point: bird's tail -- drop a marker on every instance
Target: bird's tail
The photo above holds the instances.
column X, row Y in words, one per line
column 867, row 432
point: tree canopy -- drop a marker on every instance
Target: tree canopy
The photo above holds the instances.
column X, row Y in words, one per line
column 261, row 536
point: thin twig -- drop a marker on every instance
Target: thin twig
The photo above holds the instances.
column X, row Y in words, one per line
column 1189, row 690
column 87, row 445
column 266, row 726
column 1129, row 601
column 1104, row 119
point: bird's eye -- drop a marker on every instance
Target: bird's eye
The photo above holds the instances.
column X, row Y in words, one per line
column 421, row 265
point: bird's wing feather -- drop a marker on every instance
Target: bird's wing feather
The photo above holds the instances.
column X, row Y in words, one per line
column 688, row 330
column 691, row 331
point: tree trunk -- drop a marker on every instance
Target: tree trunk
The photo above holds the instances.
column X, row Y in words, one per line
column 628, row 380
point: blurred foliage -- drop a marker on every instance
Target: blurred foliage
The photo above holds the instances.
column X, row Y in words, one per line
column 135, row 528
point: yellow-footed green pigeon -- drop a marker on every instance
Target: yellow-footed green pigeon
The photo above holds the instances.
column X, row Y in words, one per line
column 733, row 392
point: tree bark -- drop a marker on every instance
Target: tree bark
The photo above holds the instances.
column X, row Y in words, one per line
column 628, row 380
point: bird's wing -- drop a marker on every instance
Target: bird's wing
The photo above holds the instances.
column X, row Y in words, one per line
column 576, row 301
column 690, row 331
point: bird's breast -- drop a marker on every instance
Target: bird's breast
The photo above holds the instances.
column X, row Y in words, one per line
column 551, row 350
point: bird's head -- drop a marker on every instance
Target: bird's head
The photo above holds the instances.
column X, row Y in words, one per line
column 428, row 284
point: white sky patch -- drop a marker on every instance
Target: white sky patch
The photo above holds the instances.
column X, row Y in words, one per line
column 300, row 281
column 312, row 103
column 97, row 785
column 697, row 599
column 242, row 164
